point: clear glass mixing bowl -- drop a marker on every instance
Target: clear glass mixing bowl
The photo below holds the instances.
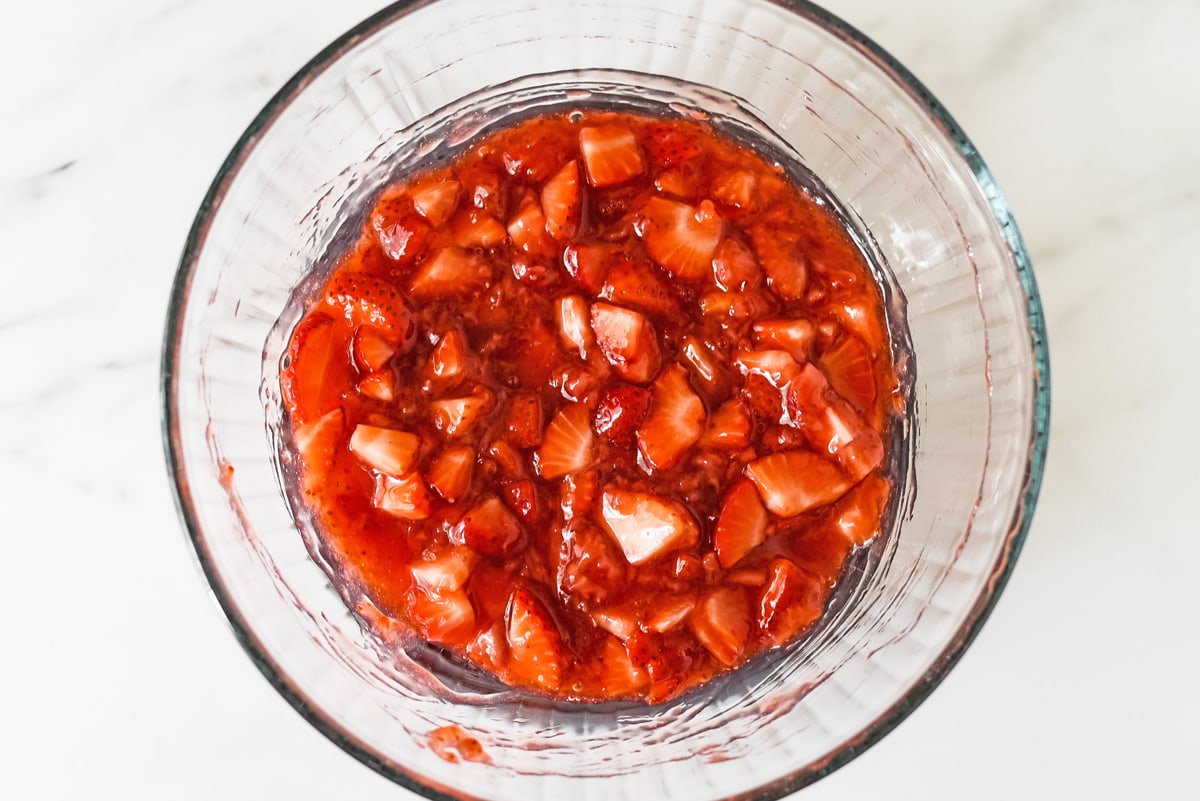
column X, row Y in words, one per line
column 422, row 75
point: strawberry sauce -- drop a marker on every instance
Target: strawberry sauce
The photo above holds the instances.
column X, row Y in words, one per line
column 602, row 406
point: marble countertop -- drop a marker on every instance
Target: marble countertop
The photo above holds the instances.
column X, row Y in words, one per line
column 121, row 678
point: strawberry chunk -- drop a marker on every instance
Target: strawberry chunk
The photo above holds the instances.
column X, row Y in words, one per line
column 831, row 424
column 451, row 359
column 667, row 145
column 619, row 676
column 574, row 324
column 402, row 234
column 477, row 229
column 527, row 229
column 384, row 449
column 306, row 377
column 450, row 473
column 456, row 416
column 405, row 497
column 534, row 643
column 793, row 335
column 777, row 366
column 451, row 273
column 681, row 180
column 857, row 516
column 634, row 284
column 371, row 349
column 437, row 602
column 588, row 263
column 627, row 340
column 781, row 259
column 721, row 622
column 848, row 368
column 681, row 238
column 590, row 569
column 791, row 482
column 791, row 602
column 619, row 413
column 669, row 612
column 561, row 202
column 646, row 525
column 741, row 524
column 317, row 444
column 734, row 267
column 674, row 423
column 566, row 444
column 577, row 494
column 729, row 427
column 489, row 528
column 736, row 188
column 377, row 386
column 521, row 497
column 436, row 199
column 523, row 420
column 367, row 300
column 610, row 155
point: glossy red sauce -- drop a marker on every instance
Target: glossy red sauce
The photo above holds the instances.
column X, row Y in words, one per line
column 599, row 407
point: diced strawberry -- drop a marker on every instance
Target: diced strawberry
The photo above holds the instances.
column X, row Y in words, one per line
column 447, row 618
column 567, row 443
column 450, row 473
column 669, row 612
column 847, row 366
column 680, row 237
column 451, row 359
column 777, row 366
column 747, row 577
column 634, row 284
column 527, row 229
column 574, row 324
column 619, row 413
column 536, row 154
column 791, row 482
column 681, row 180
column 736, row 188
column 367, row 300
column 401, row 232
column 821, row 550
column 627, row 340
column 490, row 529
column 741, row 524
column 532, row 271
column 384, row 449
column 447, row 571
column 507, row 459
column 530, row 355
column 317, row 444
column 561, row 202
column 621, row 623
column 729, row 427
column 588, row 263
column 667, row 145
column 309, row 386
column 405, row 497
column 482, row 189
column 781, row 259
column 619, row 676
column 454, row 416
column 478, row 229
column 450, row 273
column 735, row 305
column 590, row 569
column 734, row 267
column 766, row 401
column 534, row 643
column 646, row 525
column 489, row 647
column 665, row 658
column 523, row 420
column 791, row 602
column 674, row 423
column 865, row 323
column 831, row 424
column 779, row 437
column 372, row 351
column 436, row 199
column 378, row 386
column 794, row 335
column 857, row 516
column 575, row 382
column 610, row 155
column 577, row 494
column 706, row 366
column 721, row 622
column 521, row 497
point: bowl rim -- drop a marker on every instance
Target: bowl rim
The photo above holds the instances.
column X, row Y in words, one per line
column 798, row 778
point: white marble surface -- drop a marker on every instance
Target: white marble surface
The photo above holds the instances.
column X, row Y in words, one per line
column 119, row 677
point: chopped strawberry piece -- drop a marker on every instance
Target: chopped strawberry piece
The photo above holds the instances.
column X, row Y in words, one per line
column 729, row 427
column 317, row 443
column 478, row 229
column 646, row 525
column 436, row 199
column 680, row 237
column 448, row 570
column 537, row 155
column 627, row 340
column 533, row 272
column 506, row 457
column 619, row 413
column 831, row 425
column 706, row 365
column 821, row 550
column 523, row 420
column 489, row 528
column 610, row 155
column 372, row 351
column 665, row 658
column 367, row 300
column 791, row 602
column 721, row 622
column 674, row 423
column 405, row 497
column 859, row 318
column 309, row 386
column 521, row 497
column 741, row 524
column 781, row 259
column 534, row 643
column 527, row 229
column 793, row 335
column 561, row 202
column 378, row 386
column 737, row 189
column 669, row 612
column 588, row 264
column 734, row 267
column 746, row 577
column 482, row 188
column 574, row 325
column 619, row 676
column 450, row 474
column 401, row 232
column 634, row 284
column 450, row 273
column 620, row 623
column 455, row 416
column 590, row 569
column 735, row 305
column 791, row 482
column 451, row 359
column 848, row 368
column 384, row 449
column 667, row 145
column 777, row 366
column 578, row 494
column 682, row 181
column 437, row 602
column 857, row 516
column 566, row 444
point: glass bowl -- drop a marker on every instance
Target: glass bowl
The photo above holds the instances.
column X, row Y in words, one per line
column 422, row 76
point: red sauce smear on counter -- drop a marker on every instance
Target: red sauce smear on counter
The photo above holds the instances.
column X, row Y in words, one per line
column 600, row 406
